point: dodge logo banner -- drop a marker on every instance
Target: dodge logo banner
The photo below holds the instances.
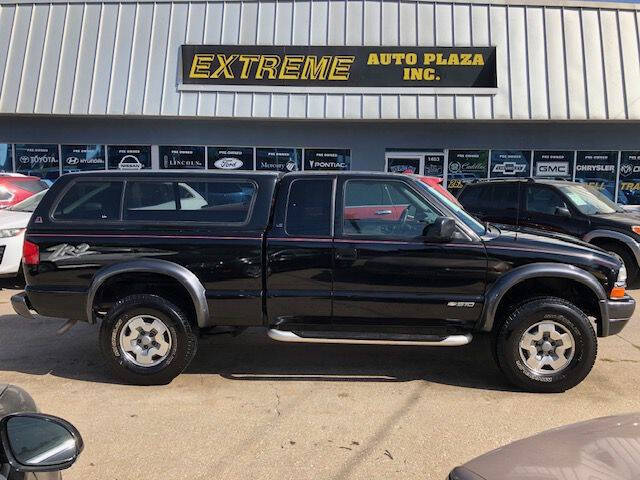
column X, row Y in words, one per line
column 598, row 169
column 327, row 159
column 510, row 163
column 339, row 66
column 553, row 164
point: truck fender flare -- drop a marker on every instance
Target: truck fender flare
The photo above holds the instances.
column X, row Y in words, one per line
column 519, row 274
column 186, row 278
column 619, row 236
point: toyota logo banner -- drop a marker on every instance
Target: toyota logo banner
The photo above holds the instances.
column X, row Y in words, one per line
column 38, row 160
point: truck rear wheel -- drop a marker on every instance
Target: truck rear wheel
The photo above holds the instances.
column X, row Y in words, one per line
column 147, row 340
column 546, row 345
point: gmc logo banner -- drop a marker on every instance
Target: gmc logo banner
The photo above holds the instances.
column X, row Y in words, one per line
column 339, row 66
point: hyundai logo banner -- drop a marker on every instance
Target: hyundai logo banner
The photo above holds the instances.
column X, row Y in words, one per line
column 339, row 66
column 279, row 159
column 77, row 158
column 510, row 163
column 230, row 158
column 129, row 157
column 598, row 169
column 553, row 164
column 180, row 157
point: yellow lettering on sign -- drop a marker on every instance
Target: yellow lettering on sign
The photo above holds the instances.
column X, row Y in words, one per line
column 315, row 69
column 247, row 61
column 290, row 69
column 465, row 59
column 428, row 58
column 478, row 59
column 373, row 59
column 267, row 64
column 453, row 59
column 225, row 66
column 200, row 66
column 340, row 67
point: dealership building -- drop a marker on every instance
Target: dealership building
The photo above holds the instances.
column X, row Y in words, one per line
column 460, row 90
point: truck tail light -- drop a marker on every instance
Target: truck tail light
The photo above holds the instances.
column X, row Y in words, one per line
column 30, row 253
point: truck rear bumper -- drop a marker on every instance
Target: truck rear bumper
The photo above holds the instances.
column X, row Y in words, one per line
column 21, row 306
column 67, row 304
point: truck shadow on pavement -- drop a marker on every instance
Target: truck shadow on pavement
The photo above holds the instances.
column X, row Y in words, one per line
column 31, row 346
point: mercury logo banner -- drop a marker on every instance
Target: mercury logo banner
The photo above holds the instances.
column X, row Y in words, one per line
column 339, row 66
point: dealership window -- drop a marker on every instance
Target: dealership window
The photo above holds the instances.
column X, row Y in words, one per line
column 129, row 157
column 6, row 157
column 80, row 158
column 384, row 209
column 189, row 201
column 309, row 207
column 183, row 157
column 38, row 160
column 99, row 200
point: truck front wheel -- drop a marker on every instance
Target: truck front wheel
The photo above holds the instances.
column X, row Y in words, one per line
column 546, row 345
column 147, row 340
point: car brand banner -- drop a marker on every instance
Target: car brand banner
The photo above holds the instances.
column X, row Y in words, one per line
column 38, row 160
column 598, row 169
column 78, row 158
column 327, row 159
column 339, row 66
column 434, row 165
column 180, row 157
column 279, row 159
column 629, row 183
column 230, row 158
column 129, row 157
column 553, row 164
column 403, row 164
column 465, row 166
column 6, row 157
column 510, row 163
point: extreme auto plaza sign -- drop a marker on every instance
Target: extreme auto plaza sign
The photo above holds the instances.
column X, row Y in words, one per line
column 339, row 66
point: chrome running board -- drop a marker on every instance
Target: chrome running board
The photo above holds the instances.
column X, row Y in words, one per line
column 450, row 341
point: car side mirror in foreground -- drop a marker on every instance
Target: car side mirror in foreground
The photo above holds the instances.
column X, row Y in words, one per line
column 563, row 212
column 441, row 230
column 34, row 442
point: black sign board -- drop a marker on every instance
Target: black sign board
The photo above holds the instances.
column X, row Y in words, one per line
column 465, row 166
column 279, row 159
column 129, row 157
column 629, row 183
column 38, row 160
column 6, row 157
column 510, row 163
column 434, row 165
column 181, row 157
column 78, row 158
column 598, row 169
column 230, row 158
column 553, row 164
column 403, row 165
column 339, row 66
column 327, row 159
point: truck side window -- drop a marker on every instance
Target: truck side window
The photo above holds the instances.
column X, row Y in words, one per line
column 97, row 200
column 543, row 200
column 150, row 201
column 384, row 208
column 309, row 207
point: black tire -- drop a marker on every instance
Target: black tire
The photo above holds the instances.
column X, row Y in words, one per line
column 628, row 259
column 183, row 337
column 525, row 317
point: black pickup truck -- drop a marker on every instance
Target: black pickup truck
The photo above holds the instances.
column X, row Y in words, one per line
column 352, row 258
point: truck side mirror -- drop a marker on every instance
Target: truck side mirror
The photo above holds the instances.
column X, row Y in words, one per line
column 441, row 230
column 34, row 442
column 562, row 212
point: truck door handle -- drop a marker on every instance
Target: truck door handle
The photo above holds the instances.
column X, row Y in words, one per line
column 347, row 255
column 383, row 212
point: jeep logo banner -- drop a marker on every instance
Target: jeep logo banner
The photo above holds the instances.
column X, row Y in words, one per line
column 598, row 169
column 327, row 159
column 510, row 163
column 553, row 164
column 339, row 66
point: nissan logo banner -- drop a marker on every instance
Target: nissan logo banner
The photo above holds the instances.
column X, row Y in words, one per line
column 339, row 66
column 553, row 164
column 129, row 157
column 77, row 158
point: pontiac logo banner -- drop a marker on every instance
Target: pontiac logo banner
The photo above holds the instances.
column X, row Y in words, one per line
column 339, row 66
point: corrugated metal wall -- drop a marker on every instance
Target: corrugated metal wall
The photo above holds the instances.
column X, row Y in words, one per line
column 122, row 58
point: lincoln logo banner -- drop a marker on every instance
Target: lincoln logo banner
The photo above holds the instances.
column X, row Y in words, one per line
column 339, row 66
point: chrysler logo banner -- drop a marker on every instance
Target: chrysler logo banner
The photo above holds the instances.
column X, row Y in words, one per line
column 598, row 169
column 339, row 66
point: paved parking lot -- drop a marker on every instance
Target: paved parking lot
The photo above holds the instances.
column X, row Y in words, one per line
column 249, row 407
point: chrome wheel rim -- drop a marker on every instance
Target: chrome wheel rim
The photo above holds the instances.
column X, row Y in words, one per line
column 547, row 348
column 145, row 340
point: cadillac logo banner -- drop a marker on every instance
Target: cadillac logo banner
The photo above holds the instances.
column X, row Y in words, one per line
column 339, row 66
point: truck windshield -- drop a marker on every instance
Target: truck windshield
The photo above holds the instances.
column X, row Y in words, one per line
column 466, row 218
column 589, row 200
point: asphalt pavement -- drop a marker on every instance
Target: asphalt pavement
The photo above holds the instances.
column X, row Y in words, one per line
column 252, row 408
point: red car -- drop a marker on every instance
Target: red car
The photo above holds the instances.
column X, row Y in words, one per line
column 436, row 184
column 15, row 187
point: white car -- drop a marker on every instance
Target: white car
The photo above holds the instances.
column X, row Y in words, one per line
column 13, row 223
